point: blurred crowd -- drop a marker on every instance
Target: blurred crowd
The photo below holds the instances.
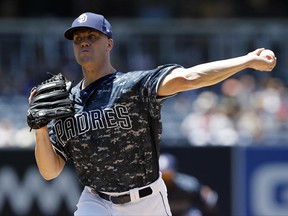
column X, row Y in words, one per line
column 14, row 132
column 242, row 111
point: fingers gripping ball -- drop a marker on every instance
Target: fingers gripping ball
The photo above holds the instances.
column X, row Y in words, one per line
column 51, row 101
column 269, row 54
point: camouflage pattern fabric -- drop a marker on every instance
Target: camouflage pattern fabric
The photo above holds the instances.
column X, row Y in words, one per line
column 113, row 139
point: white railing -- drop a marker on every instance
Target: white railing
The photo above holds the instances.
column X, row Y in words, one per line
column 139, row 43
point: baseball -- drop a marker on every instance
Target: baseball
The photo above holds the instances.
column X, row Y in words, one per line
column 269, row 54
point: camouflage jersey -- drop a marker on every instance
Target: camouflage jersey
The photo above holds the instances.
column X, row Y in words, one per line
column 113, row 139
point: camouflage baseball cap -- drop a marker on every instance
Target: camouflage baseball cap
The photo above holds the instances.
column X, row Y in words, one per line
column 89, row 20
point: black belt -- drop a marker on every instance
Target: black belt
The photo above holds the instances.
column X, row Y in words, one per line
column 122, row 199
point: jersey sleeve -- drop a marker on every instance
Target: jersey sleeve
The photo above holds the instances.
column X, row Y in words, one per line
column 151, row 83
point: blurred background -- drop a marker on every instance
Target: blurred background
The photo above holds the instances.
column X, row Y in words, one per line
column 231, row 136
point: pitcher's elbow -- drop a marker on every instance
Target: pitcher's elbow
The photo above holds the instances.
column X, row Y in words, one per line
column 49, row 175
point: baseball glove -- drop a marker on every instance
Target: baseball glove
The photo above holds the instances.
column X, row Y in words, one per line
column 50, row 101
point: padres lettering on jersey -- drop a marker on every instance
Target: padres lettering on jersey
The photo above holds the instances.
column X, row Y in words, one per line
column 95, row 119
column 113, row 140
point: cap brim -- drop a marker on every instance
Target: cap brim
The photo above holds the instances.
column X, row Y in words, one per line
column 69, row 32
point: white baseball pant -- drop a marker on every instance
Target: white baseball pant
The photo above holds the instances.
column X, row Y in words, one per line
column 156, row 204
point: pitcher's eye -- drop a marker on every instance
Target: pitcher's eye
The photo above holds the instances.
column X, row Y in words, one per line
column 77, row 39
column 92, row 37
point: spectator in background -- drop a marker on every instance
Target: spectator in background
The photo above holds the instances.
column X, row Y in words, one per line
column 237, row 98
column 6, row 133
column 244, row 113
column 186, row 194
column 208, row 124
